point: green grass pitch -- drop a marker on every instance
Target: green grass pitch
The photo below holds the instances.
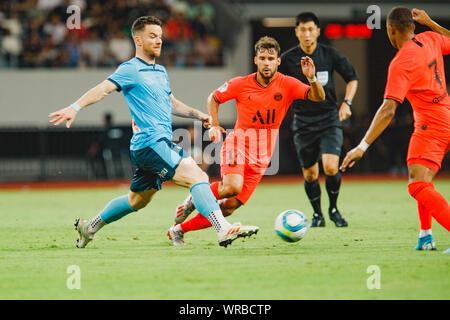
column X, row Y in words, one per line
column 133, row 258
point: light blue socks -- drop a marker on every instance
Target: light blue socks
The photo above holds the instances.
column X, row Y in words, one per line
column 207, row 205
column 204, row 199
column 116, row 209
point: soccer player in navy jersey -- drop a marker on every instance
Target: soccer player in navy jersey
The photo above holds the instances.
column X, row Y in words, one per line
column 146, row 88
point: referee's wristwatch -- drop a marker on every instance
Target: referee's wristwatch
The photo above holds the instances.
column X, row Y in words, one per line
column 348, row 102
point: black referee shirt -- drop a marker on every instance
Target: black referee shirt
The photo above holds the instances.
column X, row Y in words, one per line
column 315, row 116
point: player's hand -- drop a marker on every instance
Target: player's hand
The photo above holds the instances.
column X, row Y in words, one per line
column 215, row 133
column 67, row 114
column 420, row 16
column 344, row 112
column 350, row 158
column 308, row 68
column 206, row 120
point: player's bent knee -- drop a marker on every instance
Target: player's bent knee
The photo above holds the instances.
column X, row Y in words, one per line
column 331, row 170
column 138, row 204
column 420, row 173
column 230, row 190
column 310, row 177
column 311, row 173
column 203, row 177
column 416, row 186
column 138, row 201
column 227, row 212
column 189, row 173
column 228, row 206
column 198, row 177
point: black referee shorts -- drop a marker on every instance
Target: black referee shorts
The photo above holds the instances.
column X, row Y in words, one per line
column 312, row 145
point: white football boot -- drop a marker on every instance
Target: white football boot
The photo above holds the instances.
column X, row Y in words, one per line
column 84, row 237
column 236, row 230
column 184, row 210
column 176, row 236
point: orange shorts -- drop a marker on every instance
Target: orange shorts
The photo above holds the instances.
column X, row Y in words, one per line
column 427, row 150
column 235, row 160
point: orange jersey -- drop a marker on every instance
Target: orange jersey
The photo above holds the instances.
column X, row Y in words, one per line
column 260, row 111
column 417, row 73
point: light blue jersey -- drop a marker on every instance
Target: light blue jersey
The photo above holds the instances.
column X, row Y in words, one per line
column 146, row 89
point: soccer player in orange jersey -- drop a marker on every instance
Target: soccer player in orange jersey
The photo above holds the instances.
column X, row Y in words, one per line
column 417, row 73
column 262, row 100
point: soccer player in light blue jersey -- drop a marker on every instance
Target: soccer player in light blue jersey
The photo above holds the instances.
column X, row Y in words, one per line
column 146, row 88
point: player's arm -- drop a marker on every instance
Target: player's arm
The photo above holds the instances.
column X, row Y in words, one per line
column 350, row 91
column 183, row 110
column 316, row 93
column 212, row 105
column 94, row 95
column 381, row 120
column 422, row 17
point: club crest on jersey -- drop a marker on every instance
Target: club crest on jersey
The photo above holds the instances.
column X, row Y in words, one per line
column 322, row 76
column 278, row 96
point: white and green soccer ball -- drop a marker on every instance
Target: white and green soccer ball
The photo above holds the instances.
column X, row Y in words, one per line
column 291, row 225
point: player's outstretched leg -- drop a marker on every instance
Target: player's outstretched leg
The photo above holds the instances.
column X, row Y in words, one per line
column 207, row 205
column 84, row 237
column 187, row 207
column 113, row 211
column 198, row 222
column 189, row 174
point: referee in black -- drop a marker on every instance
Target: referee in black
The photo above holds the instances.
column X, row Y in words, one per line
column 317, row 126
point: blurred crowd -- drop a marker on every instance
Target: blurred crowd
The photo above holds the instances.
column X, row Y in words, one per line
column 40, row 33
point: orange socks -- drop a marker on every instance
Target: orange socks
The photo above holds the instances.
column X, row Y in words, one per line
column 424, row 217
column 430, row 203
column 215, row 189
column 196, row 223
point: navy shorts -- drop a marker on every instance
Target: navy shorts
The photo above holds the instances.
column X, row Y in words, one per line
column 155, row 164
column 312, row 145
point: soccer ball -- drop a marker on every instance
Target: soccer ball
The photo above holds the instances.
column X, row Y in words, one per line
column 291, row 225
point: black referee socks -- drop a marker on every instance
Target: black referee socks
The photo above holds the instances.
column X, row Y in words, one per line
column 333, row 184
column 313, row 191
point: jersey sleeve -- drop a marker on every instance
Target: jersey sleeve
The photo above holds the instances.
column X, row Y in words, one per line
column 229, row 90
column 399, row 77
column 297, row 89
column 445, row 44
column 168, row 81
column 343, row 66
column 124, row 77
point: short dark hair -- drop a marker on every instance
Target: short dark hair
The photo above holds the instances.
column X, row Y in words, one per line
column 400, row 18
column 306, row 17
column 267, row 43
column 140, row 23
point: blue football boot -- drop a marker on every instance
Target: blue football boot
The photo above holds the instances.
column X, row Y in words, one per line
column 426, row 243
